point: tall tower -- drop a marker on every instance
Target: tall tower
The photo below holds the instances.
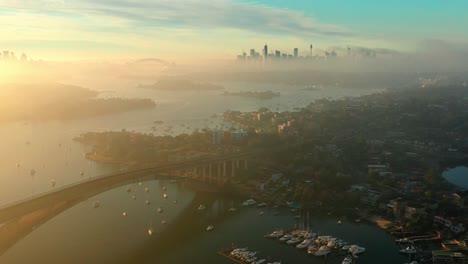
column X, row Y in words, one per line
column 265, row 51
column 296, row 52
column 311, row 46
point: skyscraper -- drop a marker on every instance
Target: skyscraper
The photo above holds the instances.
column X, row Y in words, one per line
column 310, row 50
column 277, row 54
column 252, row 53
column 296, row 52
column 265, row 51
column 6, row 55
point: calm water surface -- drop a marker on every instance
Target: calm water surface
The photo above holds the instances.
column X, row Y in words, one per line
column 75, row 232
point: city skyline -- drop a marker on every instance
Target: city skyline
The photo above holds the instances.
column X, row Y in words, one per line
column 62, row 30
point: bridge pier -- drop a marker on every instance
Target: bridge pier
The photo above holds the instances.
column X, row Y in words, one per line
column 232, row 168
column 210, row 175
column 219, row 173
column 224, row 168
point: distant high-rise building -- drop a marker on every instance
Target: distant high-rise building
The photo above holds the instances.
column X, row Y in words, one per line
column 12, row 56
column 311, row 50
column 24, row 57
column 277, row 54
column 265, row 51
column 296, row 52
column 6, row 55
column 252, row 53
column 349, row 51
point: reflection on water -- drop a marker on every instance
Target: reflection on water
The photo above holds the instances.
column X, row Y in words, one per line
column 73, row 231
column 104, row 235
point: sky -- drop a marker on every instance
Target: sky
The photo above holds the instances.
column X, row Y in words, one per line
column 116, row 29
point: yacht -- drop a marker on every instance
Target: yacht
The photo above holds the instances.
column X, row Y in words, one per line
column 322, row 251
column 163, row 222
column 210, row 228
column 409, row 250
column 150, row 231
column 304, row 244
column 262, row 204
column 339, row 222
column 293, row 241
column 232, row 209
column 355, row 249
column 148, row 202
column 160, row 210
column 175, row 201
column 146, row 189
column 165, row 196
column 285, row 238
column 201, row 207
column 311, row 249
column 134, row 197
column 124, row 214
column 249, row 202
column 259, row 261
column 347, row 260
column 276, row 234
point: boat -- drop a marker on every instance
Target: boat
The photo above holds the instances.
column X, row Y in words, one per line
column 163, row 222
column 311, row 249
column 293, row 241
column 148, row 202
column 165, row 196
column 355, row 249
column 160, row 210
column 175, row 201
column 129, row 189
column 347, row 260
column 53, row 183
column 124, row 214
column 210, row 228
column 139, row 184
column 150, row 231
column 285, row 238
column 164, row 188
column 322, row 251
column 276, row 234
column 146, row 189
column 96, row 204
column 339, row 222
column 304, row 244
column 134, row 197
column 249, row 202
column 262, row 204
column 232, row 209
column 261, row 213
column 409, row 250
column 201, row 207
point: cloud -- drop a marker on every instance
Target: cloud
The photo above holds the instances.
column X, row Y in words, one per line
column 196, row 14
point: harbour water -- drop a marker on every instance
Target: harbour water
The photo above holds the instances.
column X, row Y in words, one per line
column 457, row 176
column 103, row 235
column 75, row 232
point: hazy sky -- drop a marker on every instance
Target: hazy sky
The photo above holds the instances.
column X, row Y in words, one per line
column 95, row 29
